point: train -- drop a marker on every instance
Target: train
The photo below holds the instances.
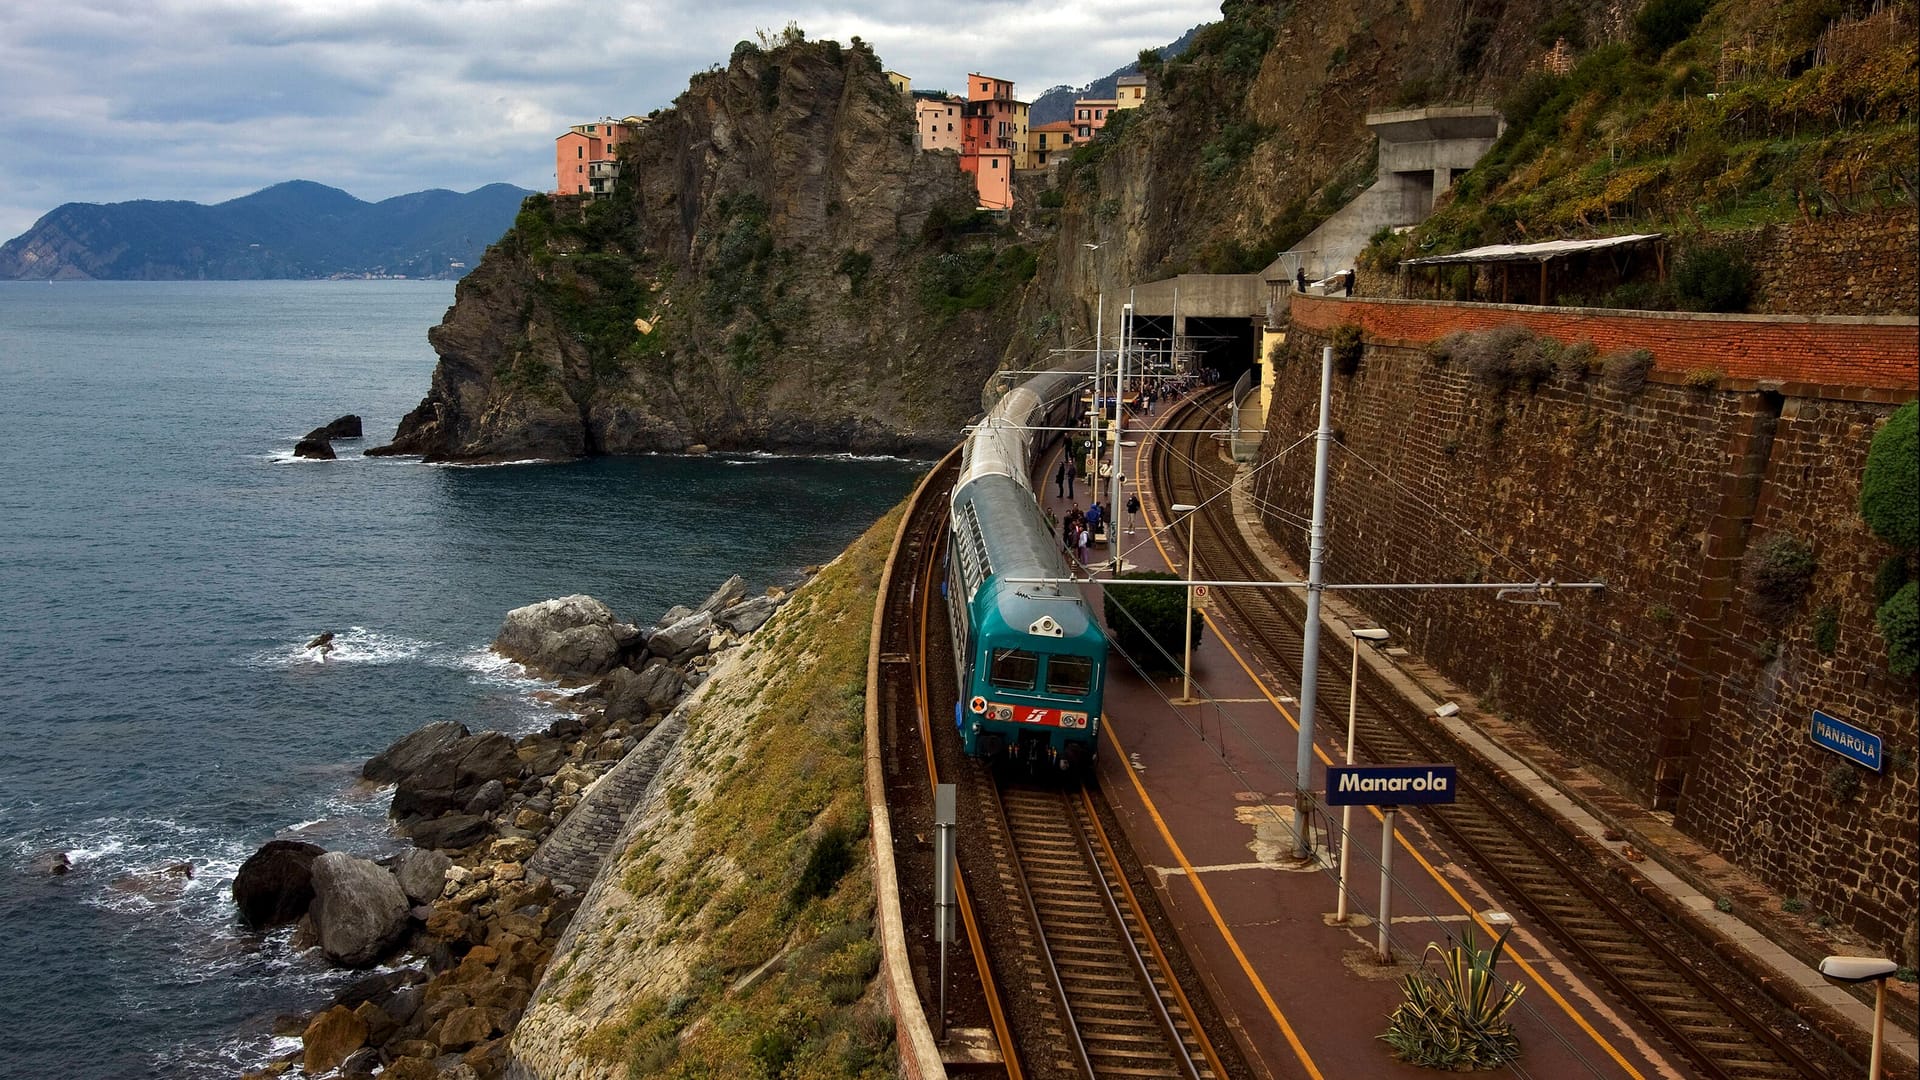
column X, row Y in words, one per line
column 1031, row 659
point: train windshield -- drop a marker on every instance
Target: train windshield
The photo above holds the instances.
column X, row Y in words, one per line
column 1069, row 675
column 1013, row 669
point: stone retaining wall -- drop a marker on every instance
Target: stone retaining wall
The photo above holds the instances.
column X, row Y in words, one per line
column 1671, row 681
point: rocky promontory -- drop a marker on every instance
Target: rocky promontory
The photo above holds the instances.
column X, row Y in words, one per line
column 778, row 269
column 507, row 834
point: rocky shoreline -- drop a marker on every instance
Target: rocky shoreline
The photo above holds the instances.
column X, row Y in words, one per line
column 465, row 921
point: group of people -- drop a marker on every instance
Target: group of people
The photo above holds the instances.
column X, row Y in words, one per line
column 1342, row 280
column 1078, row 530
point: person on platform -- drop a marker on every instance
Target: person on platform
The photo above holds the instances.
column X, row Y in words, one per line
column 1300, row 279
column 1060, row 480
column 1072, row 469
column 1094, row 516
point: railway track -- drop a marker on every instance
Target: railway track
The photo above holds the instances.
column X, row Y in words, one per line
column 1700, row 1005
column 1062, row 962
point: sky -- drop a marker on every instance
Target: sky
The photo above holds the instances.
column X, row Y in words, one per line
column 207, row 100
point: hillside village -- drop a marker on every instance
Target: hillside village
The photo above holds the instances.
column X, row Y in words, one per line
column 987, row 128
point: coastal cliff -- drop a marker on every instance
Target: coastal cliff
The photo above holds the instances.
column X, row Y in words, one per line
column 778, row 268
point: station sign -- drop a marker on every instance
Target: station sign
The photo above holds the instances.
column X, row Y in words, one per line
column 1391, row 785
column 1852, row 743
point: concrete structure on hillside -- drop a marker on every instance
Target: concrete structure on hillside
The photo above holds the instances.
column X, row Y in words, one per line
column 585, row 159
column 1090, row 115
column 1048, row 144
column 1130, row 92
column 939, row 121
column 1422, row 152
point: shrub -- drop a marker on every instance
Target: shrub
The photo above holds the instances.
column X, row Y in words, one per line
column 1899, row 620
column 1713, row 279
column 1779, row 572
column 832, row 856
column 1888, row 579
column 1053, row 199
column 1576, row 360
column 1890, row 486
column 1505, row 357
column 1843, row 783
column 1347, row 348
column 1147, row 621
column 1826, row 630
column 1456, row 1020
column 1663, row 24
column 1626, row 369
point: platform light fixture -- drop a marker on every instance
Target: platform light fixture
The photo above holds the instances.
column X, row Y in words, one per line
column 1859, row 969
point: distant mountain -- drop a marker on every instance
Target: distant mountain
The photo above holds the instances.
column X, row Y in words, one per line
column 298, row 229
column 1057, row 103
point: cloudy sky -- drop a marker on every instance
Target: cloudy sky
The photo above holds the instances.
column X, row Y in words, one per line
column 109, row 100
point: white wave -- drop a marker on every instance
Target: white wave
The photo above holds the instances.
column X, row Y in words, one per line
column 491, row 464
column 355, row 645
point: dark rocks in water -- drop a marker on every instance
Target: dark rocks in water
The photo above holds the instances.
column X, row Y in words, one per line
column 319, row 449
column 449, row 833
column 330, row 1038
column 572, row 636
column 377, row 987
column 160, row 881
column 411, row 751
column 51, row 863
column 359, row 911
column 566, row 727
column 347, row 427
column 489, row 797
column 362, row 1064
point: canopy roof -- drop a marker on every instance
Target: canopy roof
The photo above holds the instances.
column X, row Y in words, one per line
column 1535, row 253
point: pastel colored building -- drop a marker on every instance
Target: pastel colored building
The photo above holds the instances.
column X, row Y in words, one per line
column 1048, row 144
column 900, row 82
column 996, row 120
column 992, row 171
column 1130, row 92
column 584, row 146
column 939, row 121
column 1090, row 115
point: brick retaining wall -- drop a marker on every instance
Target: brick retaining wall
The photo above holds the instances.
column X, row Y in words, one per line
column 1872, row 352
column 1669, row 682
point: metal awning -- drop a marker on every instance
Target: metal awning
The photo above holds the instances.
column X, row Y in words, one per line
column 1534, row 253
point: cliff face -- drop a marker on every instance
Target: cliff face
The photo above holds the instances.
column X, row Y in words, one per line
column 777, row 269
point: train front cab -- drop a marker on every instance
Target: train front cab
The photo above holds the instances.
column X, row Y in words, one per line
column 1033, row 700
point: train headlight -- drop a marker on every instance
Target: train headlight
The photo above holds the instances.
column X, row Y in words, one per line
column 1002, row 713
column 1073, row 720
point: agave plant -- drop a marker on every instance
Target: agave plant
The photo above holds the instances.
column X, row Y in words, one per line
column 1456, row 1018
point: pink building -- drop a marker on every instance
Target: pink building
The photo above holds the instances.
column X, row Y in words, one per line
column 940, row 121
column 992, row 177
column 1090, row 115
column 583, row 146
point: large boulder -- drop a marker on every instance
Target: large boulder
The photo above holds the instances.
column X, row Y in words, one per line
column 451, row 776
column 275, row 884
column 633, row 695
column 451, row 832
column 318, row 449
column 745, row 618
column 359, row 910
column 422, row 874
column 411, row 751
column 728, row 594
column 683, row 640
column 571, row 637
column 346, row 427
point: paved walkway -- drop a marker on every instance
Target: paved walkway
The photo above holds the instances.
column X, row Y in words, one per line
column 1205, row 793
column 582, row 841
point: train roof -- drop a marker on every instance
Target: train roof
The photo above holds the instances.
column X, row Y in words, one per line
column 999, row 516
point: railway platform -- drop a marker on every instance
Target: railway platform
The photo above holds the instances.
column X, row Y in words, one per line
column 1205, row 794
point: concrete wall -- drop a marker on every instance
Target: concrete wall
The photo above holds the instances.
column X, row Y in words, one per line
column 1671, row 683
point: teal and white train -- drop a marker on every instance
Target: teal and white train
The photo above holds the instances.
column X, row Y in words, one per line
column 1031, row 657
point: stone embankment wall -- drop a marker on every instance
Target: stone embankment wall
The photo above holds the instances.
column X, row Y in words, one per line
column 1671, row 682
column 1860, row 263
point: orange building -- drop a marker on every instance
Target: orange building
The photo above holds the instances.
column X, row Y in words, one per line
column 995, row 119
column 992, row 177
column 584, row 146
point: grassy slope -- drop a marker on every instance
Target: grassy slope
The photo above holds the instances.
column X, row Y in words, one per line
column 755, row 856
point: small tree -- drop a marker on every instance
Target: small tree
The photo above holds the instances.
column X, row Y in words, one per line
column 1890, row 503
column 1146, row 621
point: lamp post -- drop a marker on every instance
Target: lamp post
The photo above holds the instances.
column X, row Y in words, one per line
column 1346, row 812
column 1859, row 969
column 1186, row 642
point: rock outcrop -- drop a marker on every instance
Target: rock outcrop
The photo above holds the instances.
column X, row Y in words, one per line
column 571, row 637
column 742, row 288
column 318, row 449
column 345, row 427
column 359, row 911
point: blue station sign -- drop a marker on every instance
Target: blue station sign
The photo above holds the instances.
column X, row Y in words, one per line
column 1391, row 785
column 1860, row 747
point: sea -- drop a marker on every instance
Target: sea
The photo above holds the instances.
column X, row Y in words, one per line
column 163, row 561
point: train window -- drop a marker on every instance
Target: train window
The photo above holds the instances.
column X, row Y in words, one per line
column 1013, row 669
column 1071, row 675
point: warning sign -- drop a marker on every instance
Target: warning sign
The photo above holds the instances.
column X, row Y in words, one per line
column 1200, row 595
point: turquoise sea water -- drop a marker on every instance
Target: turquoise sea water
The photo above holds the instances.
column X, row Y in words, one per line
column 163, row 558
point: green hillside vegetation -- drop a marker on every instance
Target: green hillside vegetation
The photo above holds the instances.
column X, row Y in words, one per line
column 1710, row 117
